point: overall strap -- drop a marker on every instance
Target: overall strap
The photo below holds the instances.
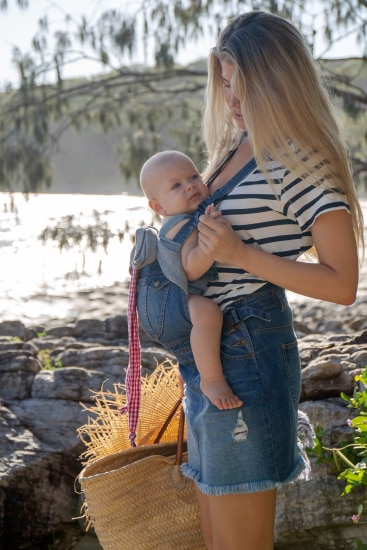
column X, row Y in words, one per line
column 223, row 191
column 185, row 230
column 171, row 222
column 217, row 197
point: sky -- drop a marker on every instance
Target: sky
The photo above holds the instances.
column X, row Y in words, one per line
column 17, row 27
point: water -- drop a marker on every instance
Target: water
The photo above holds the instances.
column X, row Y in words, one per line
column 38, row 281
column 33, row 274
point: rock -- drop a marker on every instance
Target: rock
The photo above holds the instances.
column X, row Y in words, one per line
column 308, row 518
column 315, row 317
column 330, row 363
column 71, row 383
column 19, row 363
column 331, row 416
column 52, row 421
column 12, row 328
column 47, row 375
column 35, row 482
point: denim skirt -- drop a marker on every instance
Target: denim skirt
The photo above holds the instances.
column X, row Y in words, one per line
column 253, row 448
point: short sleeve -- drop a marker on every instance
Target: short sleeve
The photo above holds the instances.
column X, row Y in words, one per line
column 304, row 201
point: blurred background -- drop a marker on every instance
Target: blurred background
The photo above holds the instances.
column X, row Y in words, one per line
column 88, row 91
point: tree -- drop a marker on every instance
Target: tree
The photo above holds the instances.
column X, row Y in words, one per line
column 35, row 115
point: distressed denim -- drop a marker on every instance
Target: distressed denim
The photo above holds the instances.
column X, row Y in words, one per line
column 252, row 448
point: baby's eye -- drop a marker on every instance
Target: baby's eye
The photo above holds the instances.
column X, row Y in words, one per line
column 195, row 177
column 176, row 185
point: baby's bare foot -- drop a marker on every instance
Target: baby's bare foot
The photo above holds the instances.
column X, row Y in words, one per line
column 220, row 394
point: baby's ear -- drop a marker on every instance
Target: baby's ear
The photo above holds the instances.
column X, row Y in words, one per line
column 157, row 207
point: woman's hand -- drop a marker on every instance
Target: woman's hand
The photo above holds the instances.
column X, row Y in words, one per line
column 218, row 240
column 333, row 278
column 211, row 211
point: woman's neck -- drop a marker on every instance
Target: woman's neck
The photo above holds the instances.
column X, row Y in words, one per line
column 239, row 159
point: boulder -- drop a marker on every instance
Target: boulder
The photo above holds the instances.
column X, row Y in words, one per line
column 47, row 375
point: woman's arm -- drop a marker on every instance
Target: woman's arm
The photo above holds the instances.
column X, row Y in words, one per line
column 334, row 278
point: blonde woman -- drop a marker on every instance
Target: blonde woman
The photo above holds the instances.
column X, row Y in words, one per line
column 269, row 126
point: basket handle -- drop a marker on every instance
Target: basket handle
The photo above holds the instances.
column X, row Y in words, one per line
column 180, row 437
column 181, row 429
column 167, row 421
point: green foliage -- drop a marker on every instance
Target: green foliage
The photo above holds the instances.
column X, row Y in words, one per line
column 142, row 101
column 351, row 456
column 21, row 3
column 69, row 232
column 360, row 545
column 48, row 362
column 356, row 473
column 90, row 235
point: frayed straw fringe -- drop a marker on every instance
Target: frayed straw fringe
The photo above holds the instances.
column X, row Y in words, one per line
column 107, row 432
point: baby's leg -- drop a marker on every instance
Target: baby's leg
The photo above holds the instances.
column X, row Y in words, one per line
column 206, row 318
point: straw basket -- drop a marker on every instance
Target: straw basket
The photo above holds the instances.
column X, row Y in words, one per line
column 137, row 498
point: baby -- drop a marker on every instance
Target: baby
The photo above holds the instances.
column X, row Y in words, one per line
column 173, row 186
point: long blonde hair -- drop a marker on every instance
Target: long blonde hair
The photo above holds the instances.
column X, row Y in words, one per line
column 286, row 108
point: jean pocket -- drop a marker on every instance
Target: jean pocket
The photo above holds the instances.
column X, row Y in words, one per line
column 236, row 340
column 163, row 309
column 151, row 303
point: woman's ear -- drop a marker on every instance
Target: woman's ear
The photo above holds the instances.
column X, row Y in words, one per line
column 157, row 207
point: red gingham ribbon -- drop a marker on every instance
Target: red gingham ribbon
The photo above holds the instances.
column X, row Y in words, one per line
column 132, row 380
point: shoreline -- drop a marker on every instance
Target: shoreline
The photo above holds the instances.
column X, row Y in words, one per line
column 42, row 286
column 310, row 315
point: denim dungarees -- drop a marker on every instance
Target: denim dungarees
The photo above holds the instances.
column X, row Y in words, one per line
column 162, row 287
column 161, row 294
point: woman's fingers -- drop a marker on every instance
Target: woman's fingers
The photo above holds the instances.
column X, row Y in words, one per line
column 217, row 238
column 213, row 223
column 211, row 211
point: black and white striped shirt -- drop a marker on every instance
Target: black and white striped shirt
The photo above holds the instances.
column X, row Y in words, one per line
column 275, row 217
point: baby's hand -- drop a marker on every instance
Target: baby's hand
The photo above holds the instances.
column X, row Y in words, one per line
column 211, row 211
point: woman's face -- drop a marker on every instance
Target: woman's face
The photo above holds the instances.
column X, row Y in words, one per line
column 231, row 100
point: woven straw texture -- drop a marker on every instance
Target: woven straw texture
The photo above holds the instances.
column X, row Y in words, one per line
column 107, row 431
column 138, row 499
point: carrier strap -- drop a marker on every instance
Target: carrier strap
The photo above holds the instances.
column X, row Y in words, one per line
column 132, row 378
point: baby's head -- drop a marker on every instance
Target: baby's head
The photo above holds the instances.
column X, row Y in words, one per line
column 172, row 183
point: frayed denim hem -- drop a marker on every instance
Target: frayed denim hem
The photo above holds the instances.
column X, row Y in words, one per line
column 190, row 472
column 244, row 488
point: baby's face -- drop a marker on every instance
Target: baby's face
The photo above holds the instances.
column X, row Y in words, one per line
column 178, row 186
